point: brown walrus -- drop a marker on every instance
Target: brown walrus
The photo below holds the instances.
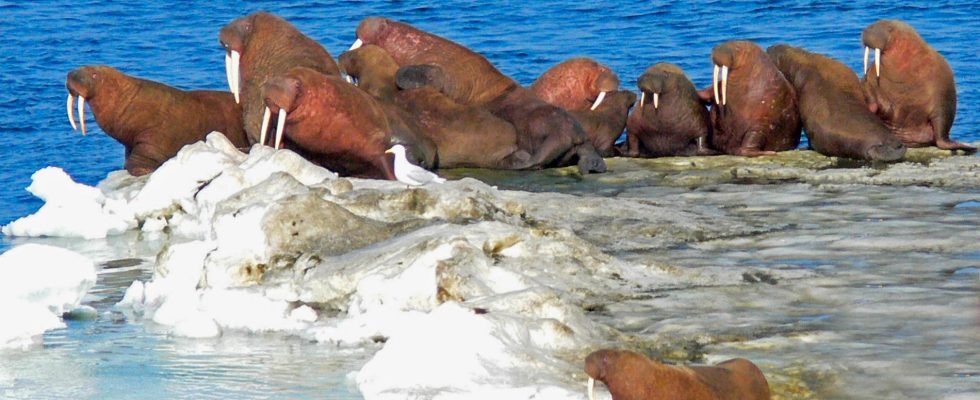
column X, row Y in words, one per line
column 835, row 116
column 576, row 84
column 151, row 120
column 372, row 69
column 910, row 86
column 670, row 119
column 337, row 125
column 760, row 115
column 632, row 376
column 548, row 133
column 605, row 124
column 260, row 46
column 466, row 136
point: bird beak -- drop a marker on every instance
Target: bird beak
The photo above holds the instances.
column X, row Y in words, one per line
column 389, row 151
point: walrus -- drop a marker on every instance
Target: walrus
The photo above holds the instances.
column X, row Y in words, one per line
column 372, row 69
column 576, row 84
column 466, row 136
column 335, row 124
column 632, row 376
column 911, row 86
column 762, row 116
column 259, row 46
column 151, row 120
column 671, row 119
column 832, row 107
column 550, row 135
column 605, row 124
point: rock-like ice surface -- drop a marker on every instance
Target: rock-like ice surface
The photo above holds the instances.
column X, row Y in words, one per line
column 40, row 283
column 803, row 263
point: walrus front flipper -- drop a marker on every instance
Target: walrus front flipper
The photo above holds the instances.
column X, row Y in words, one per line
column 941, row 129
column 751, row 144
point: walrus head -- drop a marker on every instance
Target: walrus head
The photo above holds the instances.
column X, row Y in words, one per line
column 233, row 38
column 280, row 95
column 601, row 364
column 880, row 36
column 727, row 56
column 369, row 62
column 892, row 150
column 659, row 79
column 86, row 83
column 369, row 31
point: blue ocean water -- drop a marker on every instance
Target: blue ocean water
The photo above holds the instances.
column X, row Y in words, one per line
column 177, row 44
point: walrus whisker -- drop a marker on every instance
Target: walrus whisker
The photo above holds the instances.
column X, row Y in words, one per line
column 643, row 97
column 357, row 44
column 877, row 63
column 598, row 100
column 71, row 112
column 236, row 59
column 265, row 125
column 591, row 389
column 724, row 85
column 714, row 82
column 866, row 51
column 656, row 100
column 81, row 113
column 280, row 127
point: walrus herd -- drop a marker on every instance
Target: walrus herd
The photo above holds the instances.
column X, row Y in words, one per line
column 435, row 103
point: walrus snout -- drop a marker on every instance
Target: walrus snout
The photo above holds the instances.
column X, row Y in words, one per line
column 279, row 95
column 887, row 152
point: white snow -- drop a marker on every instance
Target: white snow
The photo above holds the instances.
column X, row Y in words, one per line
column 40, row 283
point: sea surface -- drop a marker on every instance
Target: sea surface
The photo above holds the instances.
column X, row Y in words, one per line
column 176, row 43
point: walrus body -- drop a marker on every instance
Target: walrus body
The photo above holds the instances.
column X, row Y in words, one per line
column 334, row 124
column 465, row 136
column 152, row 120
column 268, row 46
column 913, row 91
column 758, row 115
column 832, row 107
column 470, row 80
column 671, row 120
column 632, row 376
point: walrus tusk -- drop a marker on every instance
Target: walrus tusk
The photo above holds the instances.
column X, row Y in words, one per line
column 877, row 63
column 347, row 77
column 231, row 86
column 724, row 85
column 265, row 125
column 656, row 101
column 357, row 44
column 643, row 97
column 714, row 82
column 236, row 59
column 71, row 112
column 280, row 126
column 591, row 389
column 866, row 51
column 598, row 100
column 81, row 113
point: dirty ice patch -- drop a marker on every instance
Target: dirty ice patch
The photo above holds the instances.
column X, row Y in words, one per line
column 40, row 283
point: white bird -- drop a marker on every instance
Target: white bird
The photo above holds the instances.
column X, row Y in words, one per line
column 408, row 173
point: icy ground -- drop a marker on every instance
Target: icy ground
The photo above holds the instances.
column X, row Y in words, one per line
column 840, row 280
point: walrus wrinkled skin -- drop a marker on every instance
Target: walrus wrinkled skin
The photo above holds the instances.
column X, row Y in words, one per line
column 605, row 124
column 269, row 46
column 335, row 124
column 675, row 124
column 575, row 84
column 152, row 120
column 548, row 133
column 913, row 91
column 372, row 69
column 759, row 115
column 832, row 107
column 466, row 136
column 632, row 376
